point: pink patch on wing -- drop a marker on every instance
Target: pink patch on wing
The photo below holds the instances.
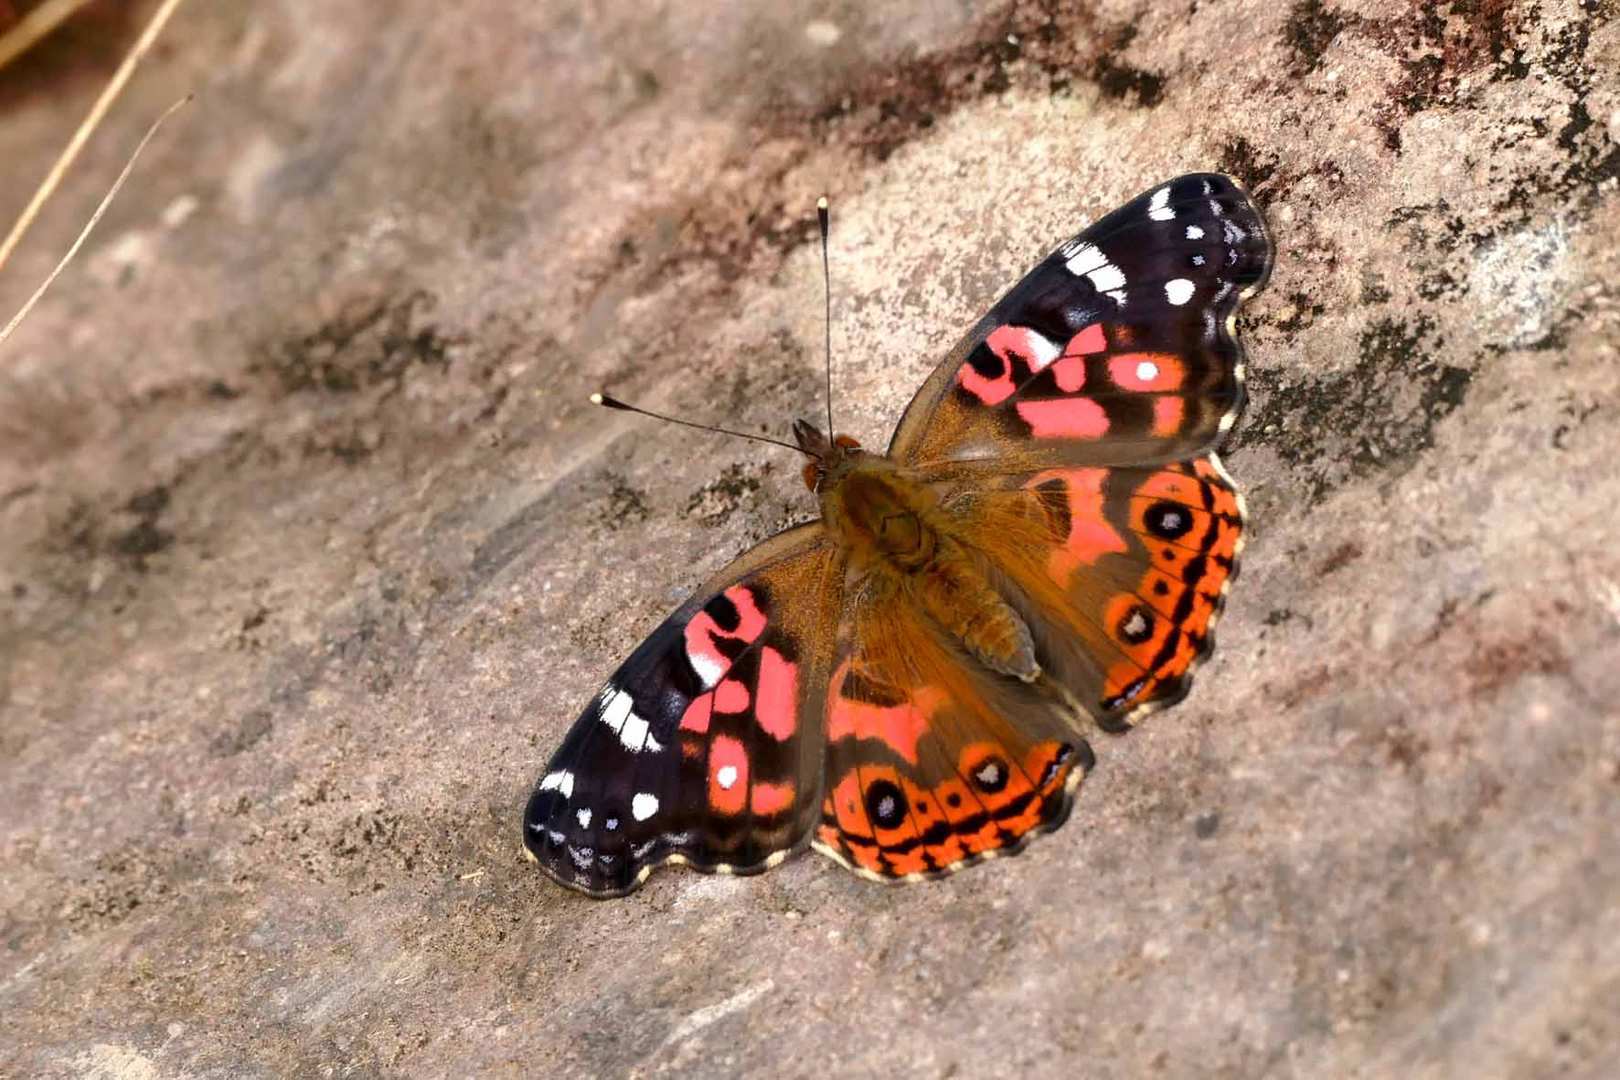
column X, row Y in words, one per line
column 703, row 635
column 990, row 391
column 1008, row 343
column 772, row 798
column 1146, row 372
column 1065, row 418
column 1032, row 348
column 896, row 726
column 777, row 705
column 1089, row 340
column 1070, row 373
column 751, row 620
column 701, row 652
column 728, row 775
column 1167, row 414
column 1090, row 536
column 697, row 714
column 730, row 696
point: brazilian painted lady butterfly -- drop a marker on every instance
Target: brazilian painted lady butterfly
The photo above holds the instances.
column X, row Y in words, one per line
column 904, row 683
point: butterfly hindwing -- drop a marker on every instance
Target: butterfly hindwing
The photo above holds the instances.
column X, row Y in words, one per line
column 1120, row 572
column 705, row 747
column 1117, row 349
column 933, row 761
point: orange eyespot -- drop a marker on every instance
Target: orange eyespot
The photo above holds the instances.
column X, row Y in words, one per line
column 811, row 475
column 848, row 442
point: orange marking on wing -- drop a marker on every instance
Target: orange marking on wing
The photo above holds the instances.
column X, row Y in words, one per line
column 897, row 726
column 865, row 855
column 772, row 798
column 1176, row 486
column 848, row 809
column 1065, row 418
column 1090, row 537
column 728, row 775
column 1147, row 372
column 1168, row 414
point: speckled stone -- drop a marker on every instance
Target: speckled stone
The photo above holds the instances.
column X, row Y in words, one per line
column 311, row 547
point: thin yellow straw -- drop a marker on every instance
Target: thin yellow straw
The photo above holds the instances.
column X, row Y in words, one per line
column 106, row 201
column 35, row 25
column 82, row 135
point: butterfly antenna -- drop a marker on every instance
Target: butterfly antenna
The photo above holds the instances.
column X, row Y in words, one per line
column 826, row 281
column 609, row 402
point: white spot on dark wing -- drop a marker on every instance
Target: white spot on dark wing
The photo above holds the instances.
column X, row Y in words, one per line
column 1136, row 625
column 1147, row 371
column 1195, row 232
column 583, row 816
column 1044, row 349
column 640, row 850
column 1089, row 262
column 611, row 824
column 644, row 805
column 1159, row 205
column 554, row 836
column 707, row 668
column 989, row 773
column 726, row 776
column 582, row 856
column 1108, row 278
column 619, row 715
column 1178, row 291
column 562, row 780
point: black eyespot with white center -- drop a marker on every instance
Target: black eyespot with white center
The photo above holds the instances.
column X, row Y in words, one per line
column 1136, row 626
column 885, row 804
column 1168, row 520
column 990, row 776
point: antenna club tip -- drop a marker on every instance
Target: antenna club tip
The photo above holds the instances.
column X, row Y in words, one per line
column 821, row 203
column 597, row 399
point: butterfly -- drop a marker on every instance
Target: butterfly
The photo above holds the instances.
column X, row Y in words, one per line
column 906, row 682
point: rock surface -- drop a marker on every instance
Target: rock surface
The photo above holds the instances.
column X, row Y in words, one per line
column 310, row 547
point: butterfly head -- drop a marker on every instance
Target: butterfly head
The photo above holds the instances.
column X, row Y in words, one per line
column 828, row 457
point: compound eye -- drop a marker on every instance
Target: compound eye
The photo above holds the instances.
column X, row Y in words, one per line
column 812, row 475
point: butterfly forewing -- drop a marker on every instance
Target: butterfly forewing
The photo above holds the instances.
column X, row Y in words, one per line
column 1117, row 349
column 706, row 745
